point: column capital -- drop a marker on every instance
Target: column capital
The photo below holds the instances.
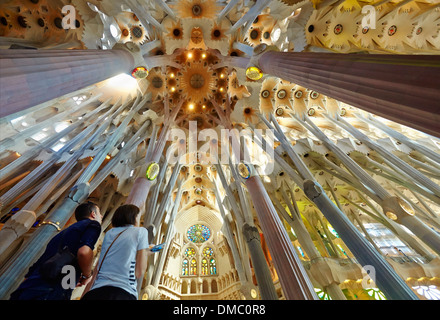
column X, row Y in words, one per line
column 79, row 193
column 396, row 208
column 258, row 52
column 251, row 233
column 21, row 222
column 311, row 189
column 134, row 50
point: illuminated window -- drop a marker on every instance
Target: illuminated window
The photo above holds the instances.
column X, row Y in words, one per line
column 204, row 267
column 193, row 267
column 198, row 233
column 376, row 294
column 185, row 267
column 189, row 262
column 210, row 265
column 429, row 292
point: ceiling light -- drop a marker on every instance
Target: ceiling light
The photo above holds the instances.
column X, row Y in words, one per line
column 173, row 89
column 203, row 55
column 191, row 106
column 190, row 55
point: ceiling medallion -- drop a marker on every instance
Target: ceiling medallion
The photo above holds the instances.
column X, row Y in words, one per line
column 365, row 29
column 281, row 94
column 392, row 30
column 139, row 73
column 197, row 10
column 279, row 111
column 311, row 112
column 244, row 170
column 419, row 30
column 198, row 167
column 152, row 171
column 314, row 95
column 298, row 94
column 254, row 73
column 265, row 94
column 338, row 29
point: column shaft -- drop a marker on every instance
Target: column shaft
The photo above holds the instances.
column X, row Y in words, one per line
column 293, row 277
column 401, row 88
column 31, row 77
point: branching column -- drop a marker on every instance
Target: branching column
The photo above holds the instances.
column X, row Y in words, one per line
column 293, row 277
column 401, row 88
column 31, row 77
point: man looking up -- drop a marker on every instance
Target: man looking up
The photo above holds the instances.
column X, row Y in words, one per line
column 80, row 238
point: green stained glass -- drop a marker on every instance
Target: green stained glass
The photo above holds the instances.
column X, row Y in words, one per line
column 190, row 252
column 198, row 233
column 207, row 252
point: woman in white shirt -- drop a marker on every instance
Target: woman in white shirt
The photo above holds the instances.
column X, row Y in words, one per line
column 125, row 262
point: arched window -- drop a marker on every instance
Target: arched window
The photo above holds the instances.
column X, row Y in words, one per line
column 208, row 255
column 189, row 262
column 212, row 267
column 185, row 267
column 198, row 233
column 204, row 269
column 193, row 267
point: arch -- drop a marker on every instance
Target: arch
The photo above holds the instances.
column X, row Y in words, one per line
column 193, row 287
column 184, row 289
column 214, row 286
column 205, row 288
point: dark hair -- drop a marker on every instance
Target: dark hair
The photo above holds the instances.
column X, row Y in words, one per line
column 84, row 210
column 125, row 215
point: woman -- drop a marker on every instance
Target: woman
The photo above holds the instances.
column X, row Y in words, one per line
column 125, row 261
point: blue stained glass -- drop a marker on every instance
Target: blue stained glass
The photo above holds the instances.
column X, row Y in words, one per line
column 198, row 233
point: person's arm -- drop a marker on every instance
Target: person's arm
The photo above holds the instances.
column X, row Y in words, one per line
column 85, row 259
column 141, row 263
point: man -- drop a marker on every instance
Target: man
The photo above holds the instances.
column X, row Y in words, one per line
column 80, row 237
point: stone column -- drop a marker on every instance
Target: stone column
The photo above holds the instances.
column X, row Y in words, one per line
column 401, row 88
column 262, row 273
column 31, row 77
column 293, row 277
column 387, row 279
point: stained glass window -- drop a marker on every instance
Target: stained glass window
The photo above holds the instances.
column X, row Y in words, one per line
column 190, row 252
column 376, row 294
column 193, row 267
column 212, row 266
column 185, row 267
column 207, row 252
column 204, row 267
column 198, row 233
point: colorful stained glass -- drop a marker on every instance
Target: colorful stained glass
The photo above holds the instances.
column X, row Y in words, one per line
column 207, row 252
column 185, row 267
column 190, row 252
column 193, row 267
column 212, row 266
column 204, row 267
column 198, row 233
column 376, row 294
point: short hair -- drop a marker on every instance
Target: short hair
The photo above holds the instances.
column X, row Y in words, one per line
column 84, row 210
column 125, row 215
